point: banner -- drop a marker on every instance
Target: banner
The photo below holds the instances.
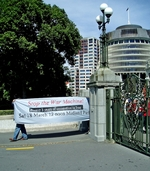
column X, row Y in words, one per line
column 51, row 110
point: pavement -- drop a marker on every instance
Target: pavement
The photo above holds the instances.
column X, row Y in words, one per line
column 82, row 153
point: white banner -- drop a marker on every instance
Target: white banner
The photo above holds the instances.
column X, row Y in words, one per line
column 51, row 110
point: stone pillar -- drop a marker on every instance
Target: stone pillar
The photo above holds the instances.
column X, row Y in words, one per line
column 103, row 78
column 83, row 93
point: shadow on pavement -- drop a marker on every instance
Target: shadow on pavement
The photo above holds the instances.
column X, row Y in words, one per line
column 54, row 135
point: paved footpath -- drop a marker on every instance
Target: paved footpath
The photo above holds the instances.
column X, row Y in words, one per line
column 67, row 150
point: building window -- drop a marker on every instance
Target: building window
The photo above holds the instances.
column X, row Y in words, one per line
column 128, row 31
column 90, row 40
column 120, row 41
column 126, row 41
column 137, row 41
column 131, row 40
column 142, row 41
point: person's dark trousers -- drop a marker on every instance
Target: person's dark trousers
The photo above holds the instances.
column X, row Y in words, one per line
column 17, row 131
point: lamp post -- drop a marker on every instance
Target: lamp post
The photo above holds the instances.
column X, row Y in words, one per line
column 101, row 80
column 106, row 12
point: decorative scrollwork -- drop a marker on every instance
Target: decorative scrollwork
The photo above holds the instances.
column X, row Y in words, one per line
column 133, row 98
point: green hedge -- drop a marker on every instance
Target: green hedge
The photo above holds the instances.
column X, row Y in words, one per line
column 6, row 112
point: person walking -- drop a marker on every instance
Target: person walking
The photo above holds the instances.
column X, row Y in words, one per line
column 19, row 127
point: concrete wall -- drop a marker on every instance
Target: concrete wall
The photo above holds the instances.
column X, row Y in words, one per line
column 7, row 124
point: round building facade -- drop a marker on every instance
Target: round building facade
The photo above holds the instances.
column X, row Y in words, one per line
column 129, row 49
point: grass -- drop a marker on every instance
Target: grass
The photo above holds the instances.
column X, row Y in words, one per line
column 6, row 112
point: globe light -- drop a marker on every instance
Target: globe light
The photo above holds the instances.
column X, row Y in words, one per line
column 99, row 19
column 103, row 7
column 108, row 12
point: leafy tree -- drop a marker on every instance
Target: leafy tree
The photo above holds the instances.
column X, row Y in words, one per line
column 36, row 39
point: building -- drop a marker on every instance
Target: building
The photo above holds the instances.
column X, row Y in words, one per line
column 85, row 64
column 129, row 49
column 128, row 52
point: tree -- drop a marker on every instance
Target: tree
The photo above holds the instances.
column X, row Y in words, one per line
column 36, row 39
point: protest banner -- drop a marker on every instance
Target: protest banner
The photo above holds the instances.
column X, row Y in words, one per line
column 51, row 110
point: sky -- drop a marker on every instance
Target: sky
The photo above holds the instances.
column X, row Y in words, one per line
column 84, row 12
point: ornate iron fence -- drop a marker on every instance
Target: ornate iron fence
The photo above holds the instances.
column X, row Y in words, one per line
column 131, row 114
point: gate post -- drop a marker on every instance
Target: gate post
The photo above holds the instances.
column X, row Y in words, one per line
column 99, row 82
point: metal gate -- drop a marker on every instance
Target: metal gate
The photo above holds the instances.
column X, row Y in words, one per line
column 131, row 114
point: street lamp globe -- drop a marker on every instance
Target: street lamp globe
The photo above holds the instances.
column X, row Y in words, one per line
column 99, row 19
column 103, row 7
column 108, row 12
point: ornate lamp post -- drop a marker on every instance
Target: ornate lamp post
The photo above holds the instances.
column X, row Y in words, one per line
column 106, row 12
column 101, row 80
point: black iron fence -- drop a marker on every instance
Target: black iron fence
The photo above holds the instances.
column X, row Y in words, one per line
column 130, row 115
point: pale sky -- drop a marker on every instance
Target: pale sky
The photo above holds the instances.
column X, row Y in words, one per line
column 84, row 12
